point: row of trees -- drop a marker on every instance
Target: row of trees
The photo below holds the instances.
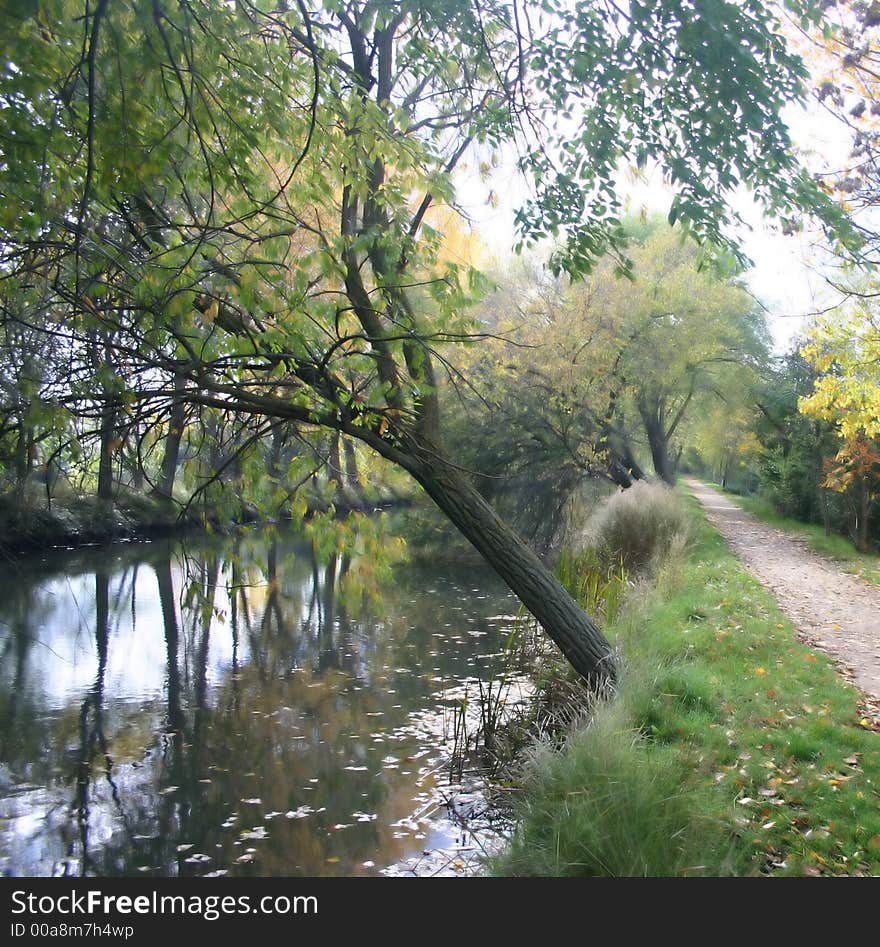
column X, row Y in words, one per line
column 605, row 378
column 811, row 444
column 67, row 428
column 225, row 205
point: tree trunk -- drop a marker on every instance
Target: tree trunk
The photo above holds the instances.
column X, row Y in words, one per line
column 623, row 468
column 864, row 510
column 664, row 466
column 173, row 438
column 352, row 474
column 22, row 456
column 581, row 641
column 274, row 465
column 105, row 461
column 334, row 462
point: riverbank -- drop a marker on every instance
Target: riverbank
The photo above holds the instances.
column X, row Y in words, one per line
column 731, row 748
column 30, row 524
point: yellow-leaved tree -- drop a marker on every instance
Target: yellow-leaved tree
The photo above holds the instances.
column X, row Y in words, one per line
column 846, row 351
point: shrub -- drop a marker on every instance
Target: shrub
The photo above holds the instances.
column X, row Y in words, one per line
column 638, row 526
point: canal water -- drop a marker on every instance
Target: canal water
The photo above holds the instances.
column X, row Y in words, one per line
column 236, row 706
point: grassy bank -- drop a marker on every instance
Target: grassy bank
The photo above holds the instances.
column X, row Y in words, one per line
column 28, row 524
column 832, row 546
column 730, row 749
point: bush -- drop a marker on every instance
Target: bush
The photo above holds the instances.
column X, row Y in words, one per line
column 638, row 526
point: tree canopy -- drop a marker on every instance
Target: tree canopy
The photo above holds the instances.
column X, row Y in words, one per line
column 581, row 380
column 224, row 204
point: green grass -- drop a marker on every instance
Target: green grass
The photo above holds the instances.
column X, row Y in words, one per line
column 731, row 748
column 833, row 546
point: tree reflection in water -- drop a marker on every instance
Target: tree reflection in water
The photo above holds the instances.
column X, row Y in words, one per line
column 235, row 707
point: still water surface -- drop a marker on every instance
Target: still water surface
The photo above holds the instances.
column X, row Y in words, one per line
column 231, row 706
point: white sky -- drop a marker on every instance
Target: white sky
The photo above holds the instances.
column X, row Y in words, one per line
column 786, row 276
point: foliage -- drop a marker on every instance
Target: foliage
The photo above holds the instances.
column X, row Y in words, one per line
column 189, row 234
column 223, row 205
column 844, row 350
column 599, row 585
column 579, row 377
column 846, row 394
column 844, row 57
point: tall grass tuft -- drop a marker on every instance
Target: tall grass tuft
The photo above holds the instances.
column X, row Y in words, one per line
column 639, row 526
column 608, row 805
column 596, row 583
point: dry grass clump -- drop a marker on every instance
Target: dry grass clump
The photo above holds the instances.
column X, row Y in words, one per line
column 639, row 527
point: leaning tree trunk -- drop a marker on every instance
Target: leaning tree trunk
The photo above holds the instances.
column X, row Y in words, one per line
column 579, row 639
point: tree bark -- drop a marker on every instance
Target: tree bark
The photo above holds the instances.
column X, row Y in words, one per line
column 623, row 468
column 23, row 455
column 864, row 510
column 334, row 462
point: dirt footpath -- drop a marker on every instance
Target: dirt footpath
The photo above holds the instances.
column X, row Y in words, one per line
column 833, row 611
